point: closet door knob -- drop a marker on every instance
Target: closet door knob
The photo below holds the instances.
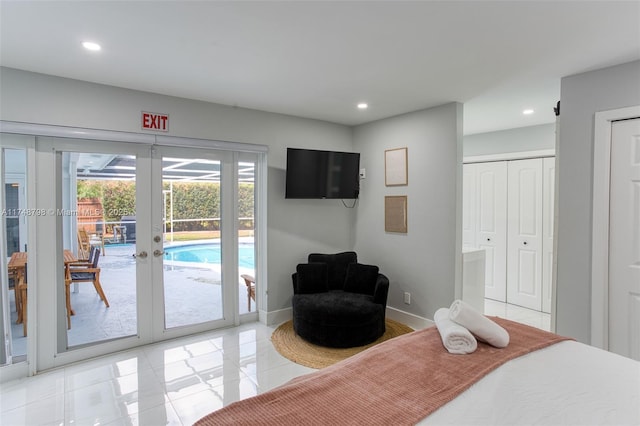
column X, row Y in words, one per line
column 488, row 239
column 525, row 243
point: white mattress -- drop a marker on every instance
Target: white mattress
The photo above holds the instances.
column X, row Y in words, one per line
column 568, row 383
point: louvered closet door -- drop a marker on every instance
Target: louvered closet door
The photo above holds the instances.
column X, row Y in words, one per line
column 525, row 235
column 491, row 205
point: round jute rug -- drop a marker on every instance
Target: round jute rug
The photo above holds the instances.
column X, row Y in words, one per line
column 298, row 350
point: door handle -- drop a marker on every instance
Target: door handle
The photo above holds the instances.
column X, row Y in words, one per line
column 158, row 252
column 142, row 254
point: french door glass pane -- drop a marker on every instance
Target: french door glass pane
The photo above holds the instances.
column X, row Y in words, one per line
column 12, row 217
column 192, row 271
column 246, row 232
column 15, row 212
column 99, row 194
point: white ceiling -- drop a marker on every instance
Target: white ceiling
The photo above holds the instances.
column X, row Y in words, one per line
column 318, row 59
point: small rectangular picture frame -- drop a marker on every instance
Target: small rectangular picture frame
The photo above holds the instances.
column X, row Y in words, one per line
column 395, row 213
column 395, row 167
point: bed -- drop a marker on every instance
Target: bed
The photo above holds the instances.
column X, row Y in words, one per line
column 539, row 378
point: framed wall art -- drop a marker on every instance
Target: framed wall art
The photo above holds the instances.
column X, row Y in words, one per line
column 395, row 167
column 395, row 213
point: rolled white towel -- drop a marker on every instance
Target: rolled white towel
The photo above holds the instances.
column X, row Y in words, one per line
column 479, row 325
column 455, row 338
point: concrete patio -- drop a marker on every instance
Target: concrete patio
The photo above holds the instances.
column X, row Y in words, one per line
column 193, row 294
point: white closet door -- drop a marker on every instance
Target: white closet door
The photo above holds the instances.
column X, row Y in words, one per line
column 548, row 186
column 624, row 239
column 524, row 255
column 491, row 205
column 469, row 211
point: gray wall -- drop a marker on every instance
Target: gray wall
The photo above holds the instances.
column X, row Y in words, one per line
column 531, row 138
column 294, row 227
column 581, row 96
column 422, row 262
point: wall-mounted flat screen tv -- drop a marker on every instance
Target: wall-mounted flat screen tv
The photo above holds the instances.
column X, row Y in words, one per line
column 322, row 174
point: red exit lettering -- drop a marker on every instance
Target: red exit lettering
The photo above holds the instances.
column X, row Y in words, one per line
column 155, row 121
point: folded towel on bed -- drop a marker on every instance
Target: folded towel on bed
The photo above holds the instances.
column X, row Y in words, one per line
column 480, row 326
column 455, row 338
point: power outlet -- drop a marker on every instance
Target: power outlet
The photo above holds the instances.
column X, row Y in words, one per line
column 407, row 298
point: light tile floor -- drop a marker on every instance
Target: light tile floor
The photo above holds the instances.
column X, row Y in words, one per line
column 169, row 383
column 517, row 313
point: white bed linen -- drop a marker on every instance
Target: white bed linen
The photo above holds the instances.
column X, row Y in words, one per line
column 568, row 383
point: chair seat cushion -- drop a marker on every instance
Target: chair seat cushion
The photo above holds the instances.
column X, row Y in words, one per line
column 82, row 275
column 338, row 319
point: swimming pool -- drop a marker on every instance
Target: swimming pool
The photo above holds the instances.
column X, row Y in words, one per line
column 208, row 253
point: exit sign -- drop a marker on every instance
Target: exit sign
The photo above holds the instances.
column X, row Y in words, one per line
column 155, row 121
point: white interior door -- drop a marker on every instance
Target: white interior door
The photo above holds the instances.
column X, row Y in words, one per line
column 492, row 225
column 624, row 239
column 548, row 190
column 524, row 254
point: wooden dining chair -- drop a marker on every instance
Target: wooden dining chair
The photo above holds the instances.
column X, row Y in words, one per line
column 251, row 289
column 84, row 244
column 76, row 272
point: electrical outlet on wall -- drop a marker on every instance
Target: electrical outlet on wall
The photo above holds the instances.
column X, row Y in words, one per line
column 407, row 298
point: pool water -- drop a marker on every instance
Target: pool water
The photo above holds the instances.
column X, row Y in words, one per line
column 208, row 253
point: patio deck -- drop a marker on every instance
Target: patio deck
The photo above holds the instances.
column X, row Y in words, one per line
column 193, row 294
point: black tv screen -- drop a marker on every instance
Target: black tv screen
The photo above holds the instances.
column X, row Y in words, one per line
column 322, row 174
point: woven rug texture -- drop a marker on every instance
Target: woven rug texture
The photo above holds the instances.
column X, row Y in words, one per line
column 298, row 350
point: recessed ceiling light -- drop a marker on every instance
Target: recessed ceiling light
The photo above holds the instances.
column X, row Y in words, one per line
column 527, row 112
column 91, row 46
column 363, row 105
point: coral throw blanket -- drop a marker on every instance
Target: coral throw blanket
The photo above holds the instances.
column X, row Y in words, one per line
column 400, row 381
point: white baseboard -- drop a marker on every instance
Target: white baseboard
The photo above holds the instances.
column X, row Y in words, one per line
column 13, row 372
column 414, row 321
column 275, row 317
column 250, row 317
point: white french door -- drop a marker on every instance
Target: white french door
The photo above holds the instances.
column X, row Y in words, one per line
column 141, row 199
column 150, row 296
column 14, row 234
column 193, row 254
column 77, row 323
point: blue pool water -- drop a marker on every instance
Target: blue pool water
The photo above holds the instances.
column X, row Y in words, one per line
column 208, row 253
